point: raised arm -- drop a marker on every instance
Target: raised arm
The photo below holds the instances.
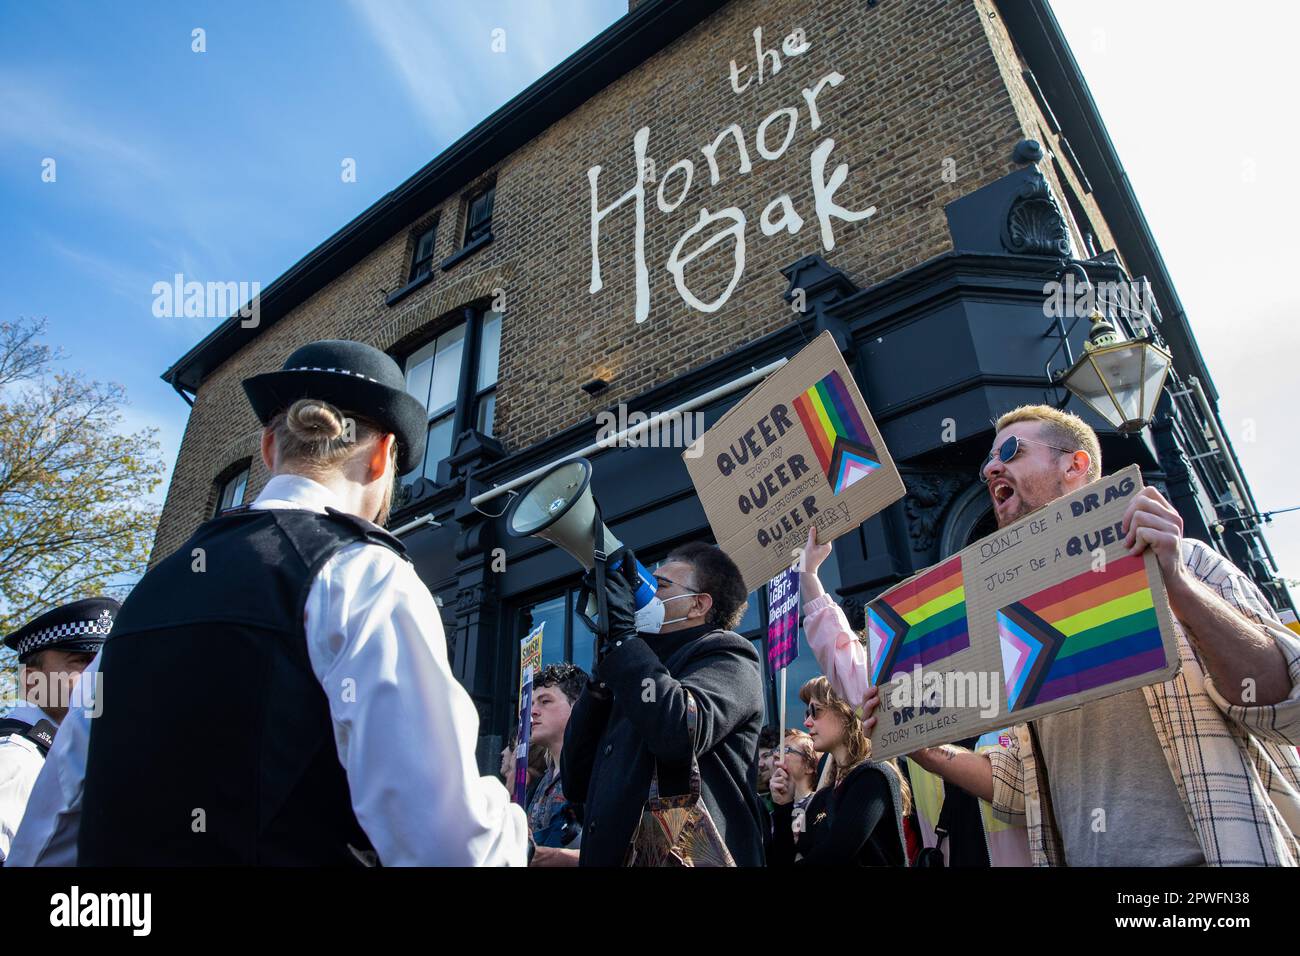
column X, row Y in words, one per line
column 839, row 653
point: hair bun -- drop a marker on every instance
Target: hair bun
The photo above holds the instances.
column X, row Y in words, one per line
column 313, row 420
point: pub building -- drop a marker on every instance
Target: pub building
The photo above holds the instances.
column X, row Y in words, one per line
column 689, row 198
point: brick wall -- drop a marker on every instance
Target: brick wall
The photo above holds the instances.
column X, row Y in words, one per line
column 923, row 82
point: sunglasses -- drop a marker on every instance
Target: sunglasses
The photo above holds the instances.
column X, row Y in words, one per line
column 813, row 711
column 1009, row 449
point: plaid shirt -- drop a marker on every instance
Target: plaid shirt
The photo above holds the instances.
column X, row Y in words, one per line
column 1235, row 767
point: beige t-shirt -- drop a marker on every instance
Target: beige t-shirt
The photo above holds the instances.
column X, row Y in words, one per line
column 1113, row 796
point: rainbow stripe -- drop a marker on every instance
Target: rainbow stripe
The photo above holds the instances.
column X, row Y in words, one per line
column 1096, row 628
column 838, row 436
column 920, row 622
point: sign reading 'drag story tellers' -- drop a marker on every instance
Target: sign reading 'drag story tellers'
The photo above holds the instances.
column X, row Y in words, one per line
column 1044, row 615
column 799, row 450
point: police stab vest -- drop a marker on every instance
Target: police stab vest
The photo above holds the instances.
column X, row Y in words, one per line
column 215, row 745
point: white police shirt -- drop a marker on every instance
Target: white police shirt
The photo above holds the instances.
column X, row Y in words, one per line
column 20, row 764
column 404, row 727
column 48, row 835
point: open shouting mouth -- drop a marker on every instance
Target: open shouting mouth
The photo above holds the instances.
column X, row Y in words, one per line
column 1002, row 493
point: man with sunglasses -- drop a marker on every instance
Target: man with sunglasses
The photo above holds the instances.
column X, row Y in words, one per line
column 1200, row 769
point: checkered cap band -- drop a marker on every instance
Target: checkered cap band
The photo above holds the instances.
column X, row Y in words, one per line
column 340, row 371
column 92, row 634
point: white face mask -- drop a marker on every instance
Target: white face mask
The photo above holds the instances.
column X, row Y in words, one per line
column 650, row 619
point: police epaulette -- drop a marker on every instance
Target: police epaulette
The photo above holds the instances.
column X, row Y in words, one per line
column 370, row 530
column 41, row 733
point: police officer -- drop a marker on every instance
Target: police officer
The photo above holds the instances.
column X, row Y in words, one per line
column 281, row 693
column 53, row 650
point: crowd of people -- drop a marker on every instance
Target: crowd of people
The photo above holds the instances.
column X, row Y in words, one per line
column 347, row 740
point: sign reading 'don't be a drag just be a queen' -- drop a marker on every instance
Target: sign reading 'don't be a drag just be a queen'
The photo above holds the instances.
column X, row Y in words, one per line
column 1046, row 614
column 800, row 450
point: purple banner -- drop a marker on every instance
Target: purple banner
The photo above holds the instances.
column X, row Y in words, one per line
column 782, row 620
column 530, row 661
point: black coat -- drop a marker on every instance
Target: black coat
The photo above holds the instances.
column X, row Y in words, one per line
column 852, row 824
column 613, row 739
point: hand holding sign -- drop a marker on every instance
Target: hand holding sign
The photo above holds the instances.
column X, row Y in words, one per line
column 780, row 786
column 1151, row 522
column 814, row 554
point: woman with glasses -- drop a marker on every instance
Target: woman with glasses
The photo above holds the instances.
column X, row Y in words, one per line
column 856, row 818
column 796, row 772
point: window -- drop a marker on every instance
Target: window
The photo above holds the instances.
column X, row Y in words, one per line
column 489, row 356
column 566, row 637
column 232, row 491
column 454, row 376
column 478, row 223
column 422, row 257
column 433, row 377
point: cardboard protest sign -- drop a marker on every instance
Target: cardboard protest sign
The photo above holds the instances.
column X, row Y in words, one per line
column 530, row 661
column 799, row 450
column 1048, row 613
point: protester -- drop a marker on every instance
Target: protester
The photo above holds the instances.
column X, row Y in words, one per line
column 843, row 659
column 857, row 819
column 767, row 754
column 1199, row 769
column 536, row 766
column 281, row 692
column 633, row 721
column 54, row 649
column 555, row 822
column 796, row 770
column 507, row 769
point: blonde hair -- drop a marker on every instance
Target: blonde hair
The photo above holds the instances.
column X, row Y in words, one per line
column 819, row 691
column 1061, row 428
column 318, row 438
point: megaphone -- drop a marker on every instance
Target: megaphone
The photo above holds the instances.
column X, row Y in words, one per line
column 558, row 507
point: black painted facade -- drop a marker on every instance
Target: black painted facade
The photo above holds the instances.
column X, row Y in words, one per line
column 939, row 352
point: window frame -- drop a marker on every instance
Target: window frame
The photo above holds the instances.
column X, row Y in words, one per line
column 477, row 232
column 463, row 409
column 413, row 273
column 231, row 478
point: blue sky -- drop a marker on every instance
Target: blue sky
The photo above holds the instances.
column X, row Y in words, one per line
column 225, row 165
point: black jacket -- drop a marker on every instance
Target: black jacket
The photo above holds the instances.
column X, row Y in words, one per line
column 220, row 709
column 613, row 739
column 852, row 824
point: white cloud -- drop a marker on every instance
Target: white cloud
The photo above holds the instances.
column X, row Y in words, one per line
column 31, row 112
column 444, row 59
